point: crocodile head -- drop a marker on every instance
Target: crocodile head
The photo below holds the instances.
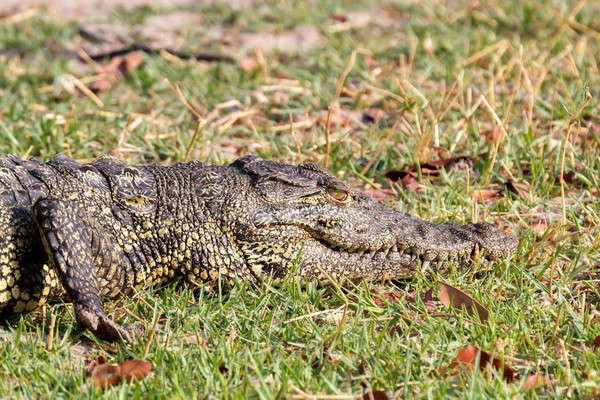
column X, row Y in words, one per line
column 304, row 216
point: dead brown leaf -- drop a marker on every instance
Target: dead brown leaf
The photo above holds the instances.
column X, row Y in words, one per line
column 100, row 85
column 411, row 183
column 104, row 375
column 409, row 176
column 116, row 68
column 95, row 362
column 492, row 136
column 380, row 194
column 375, row 395
column 521, row 189
column 539, row 228
column 428, row 301
column 373, row 115
column 467, row 357
column 248, row 64
column 451, row 296
column 485, row 194
column 135, row 370
column 393, row 296
column 339, row 17
column 596, row 343
column 130, row 63
column 535, row 381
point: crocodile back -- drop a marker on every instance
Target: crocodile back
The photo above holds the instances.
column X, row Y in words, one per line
column 18, row 186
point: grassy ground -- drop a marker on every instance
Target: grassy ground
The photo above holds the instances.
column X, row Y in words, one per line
column 514, row 85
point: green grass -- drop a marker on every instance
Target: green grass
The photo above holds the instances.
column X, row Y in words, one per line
column 260, row 341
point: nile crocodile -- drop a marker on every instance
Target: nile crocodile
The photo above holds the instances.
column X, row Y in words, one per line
column 103, row 229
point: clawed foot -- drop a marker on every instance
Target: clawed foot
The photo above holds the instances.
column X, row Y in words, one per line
column 110, row 331
column 105, row 328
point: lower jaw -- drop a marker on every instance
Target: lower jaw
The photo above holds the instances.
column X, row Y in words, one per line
column 352, row 266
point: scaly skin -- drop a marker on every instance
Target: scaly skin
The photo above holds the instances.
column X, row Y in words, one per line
column 87, row 231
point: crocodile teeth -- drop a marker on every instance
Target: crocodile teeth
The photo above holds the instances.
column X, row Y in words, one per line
column 395, row 248
column 425, row 265
column 386, row 251
column 361, row 253
column 372, row 253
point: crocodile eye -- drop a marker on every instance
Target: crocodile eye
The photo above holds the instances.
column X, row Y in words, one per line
column 339, row 195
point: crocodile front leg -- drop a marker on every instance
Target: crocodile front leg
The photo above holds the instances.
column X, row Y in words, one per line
column 65, row 234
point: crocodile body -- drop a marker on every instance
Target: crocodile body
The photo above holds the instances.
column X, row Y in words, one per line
column 104, row 229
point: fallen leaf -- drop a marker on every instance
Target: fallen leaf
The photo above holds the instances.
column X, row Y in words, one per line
column 411, row 183
column 375, row 395
column 248, row 64
column 534, row 381
column 485, row 194
column 135, row 370
column 373, row 115
column 105, row 375
column 596, row 343
column 493, row 136
column 380, row 194
column 394, row 296
column 97, row 361
column 116, row 68
column 539, row 228
column 130, row 63
column 409, row 176
column 522, row 189
column 467, row 357
column 339, row 17
column 100, row 85
column 451, row 296
column 428, row 300
column 545, row 282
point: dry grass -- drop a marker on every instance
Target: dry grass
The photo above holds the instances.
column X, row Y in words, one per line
column 386, row 86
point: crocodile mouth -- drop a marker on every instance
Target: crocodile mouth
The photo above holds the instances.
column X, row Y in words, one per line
column 394, row 256
column 400, row 257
